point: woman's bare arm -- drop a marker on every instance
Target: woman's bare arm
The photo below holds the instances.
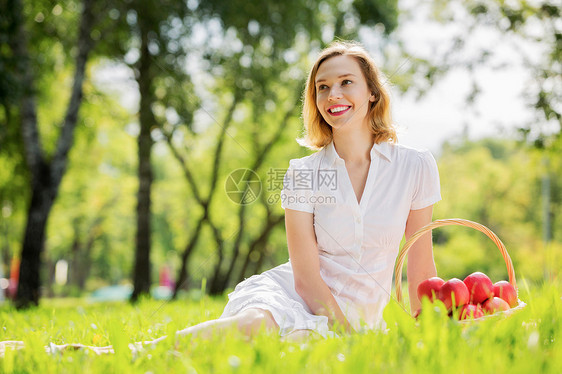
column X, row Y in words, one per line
column 303, row 252
column 420, row 257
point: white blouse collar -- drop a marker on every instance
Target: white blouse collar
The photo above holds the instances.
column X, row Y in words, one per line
column 382, row 149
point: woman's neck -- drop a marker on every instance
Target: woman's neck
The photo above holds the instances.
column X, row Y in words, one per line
column 354, row 146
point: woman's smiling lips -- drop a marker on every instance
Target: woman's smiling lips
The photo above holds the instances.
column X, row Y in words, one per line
column 338, row 110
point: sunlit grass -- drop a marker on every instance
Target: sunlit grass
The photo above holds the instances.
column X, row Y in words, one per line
column 528, row 341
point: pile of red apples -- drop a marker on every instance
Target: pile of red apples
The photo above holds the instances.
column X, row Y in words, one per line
column 474, row 297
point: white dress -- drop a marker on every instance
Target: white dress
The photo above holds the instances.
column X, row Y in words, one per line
column 357, row 242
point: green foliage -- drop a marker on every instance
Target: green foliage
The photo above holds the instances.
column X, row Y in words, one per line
column 498, row 184
column 530, row 25
column 526, row 341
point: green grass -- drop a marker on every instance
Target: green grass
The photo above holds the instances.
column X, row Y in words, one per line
column 528, row 341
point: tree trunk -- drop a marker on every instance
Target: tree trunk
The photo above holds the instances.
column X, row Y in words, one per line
column 33, row 243
column 141, row 276
column 75, row 257
column 142, row 253
column 45, row 177
column 84, row 261
column 183, row 276
column 217, row 279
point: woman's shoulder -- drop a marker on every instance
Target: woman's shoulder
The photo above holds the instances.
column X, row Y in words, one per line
column 401, row 152
column 311, row 161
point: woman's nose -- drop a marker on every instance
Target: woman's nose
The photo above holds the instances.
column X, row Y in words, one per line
column 335, row 92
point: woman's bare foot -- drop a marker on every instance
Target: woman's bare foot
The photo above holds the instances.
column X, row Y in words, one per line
column 13, row 344
column 52, row 348
column 61, row 348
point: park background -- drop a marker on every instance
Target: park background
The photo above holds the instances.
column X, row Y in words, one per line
column 121, row 122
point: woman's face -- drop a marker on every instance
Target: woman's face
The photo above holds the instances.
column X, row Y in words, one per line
column 342, row 94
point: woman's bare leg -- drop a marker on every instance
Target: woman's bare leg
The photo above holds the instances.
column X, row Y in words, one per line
column 248, row 322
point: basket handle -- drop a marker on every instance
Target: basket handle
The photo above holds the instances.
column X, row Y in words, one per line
column 448, row 222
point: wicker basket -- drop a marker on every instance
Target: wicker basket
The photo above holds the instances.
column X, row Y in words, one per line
column 448, row 222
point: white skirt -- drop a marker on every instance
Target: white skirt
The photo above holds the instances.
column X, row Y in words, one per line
column 274, row 290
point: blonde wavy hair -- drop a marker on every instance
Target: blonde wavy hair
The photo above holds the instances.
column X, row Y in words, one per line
column 317, row 132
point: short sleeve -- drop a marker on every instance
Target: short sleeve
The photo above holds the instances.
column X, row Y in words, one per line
column 298, row 187
column 427, row 190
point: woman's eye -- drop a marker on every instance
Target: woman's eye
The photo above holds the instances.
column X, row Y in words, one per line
column 346, row 82
column 322, row 87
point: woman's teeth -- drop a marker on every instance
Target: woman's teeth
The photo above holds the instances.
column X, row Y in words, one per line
column 338, row 109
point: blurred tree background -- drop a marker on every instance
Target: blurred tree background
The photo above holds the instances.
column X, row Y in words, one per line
column 131, row 157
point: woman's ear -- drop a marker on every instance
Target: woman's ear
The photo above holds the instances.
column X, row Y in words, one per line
column 373, row 98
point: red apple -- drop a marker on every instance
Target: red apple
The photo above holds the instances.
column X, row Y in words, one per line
column 495, row 304
column 479, row 286
column 430, row 288
column 506, row 291
column 470, row 311
column 453, row 287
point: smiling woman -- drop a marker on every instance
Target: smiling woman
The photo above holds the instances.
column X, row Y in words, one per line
column 342, row 252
